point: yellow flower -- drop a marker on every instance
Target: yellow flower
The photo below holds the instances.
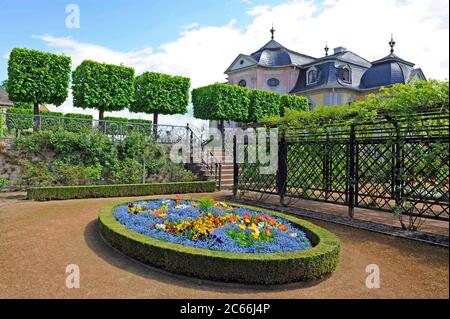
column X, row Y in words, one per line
column 243, row 227
column 255, row 235
column 253, row 226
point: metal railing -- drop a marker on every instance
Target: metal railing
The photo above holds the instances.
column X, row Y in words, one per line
column 388, row 164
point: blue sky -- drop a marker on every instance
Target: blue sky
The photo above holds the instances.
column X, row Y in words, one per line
column 119, row 24
column 201, row 38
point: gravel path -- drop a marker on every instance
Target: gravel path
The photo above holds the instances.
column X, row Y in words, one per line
column 38, row 241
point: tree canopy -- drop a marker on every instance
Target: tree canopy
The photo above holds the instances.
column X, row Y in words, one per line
column 38, row 77
column 158, row 93
column 221, row 102
column 105, row 87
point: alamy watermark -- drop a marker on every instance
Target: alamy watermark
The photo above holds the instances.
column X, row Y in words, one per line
column 253, row 146
column 73, row 16
column 373, row 280
column 73, row 278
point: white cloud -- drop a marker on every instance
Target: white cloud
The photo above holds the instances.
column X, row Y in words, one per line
column 202, row 53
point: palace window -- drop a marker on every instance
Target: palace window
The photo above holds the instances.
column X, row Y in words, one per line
column 242, row 83
column 312, row 76
column 346, row 75
column 273, row 82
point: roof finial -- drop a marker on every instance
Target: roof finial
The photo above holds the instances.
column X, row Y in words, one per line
column 326, row 49
column 392, row 43
column 273, row 32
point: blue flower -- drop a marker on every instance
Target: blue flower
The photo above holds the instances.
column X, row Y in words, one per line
column 145, row 223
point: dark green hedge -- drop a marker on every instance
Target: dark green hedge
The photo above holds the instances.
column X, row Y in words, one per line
column 122, row 125
column 74, row 122
column 22, row 119
column 75, row 192
column 293, row 102
column 264, row 269
column 263, row 104
column 221, row 102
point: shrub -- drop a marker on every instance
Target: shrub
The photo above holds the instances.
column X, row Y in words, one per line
column 293, row 102
column 127, row 171
column 264, row 269
column 91, row 148
column 399, row 100
column 3, row 182
column 75, row 122
column 263, row 104
column 74, row 192
column 221, row 102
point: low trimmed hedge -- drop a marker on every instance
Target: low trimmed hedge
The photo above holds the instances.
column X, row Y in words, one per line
column 262, row 269
column 123, row 126
column 79, row 192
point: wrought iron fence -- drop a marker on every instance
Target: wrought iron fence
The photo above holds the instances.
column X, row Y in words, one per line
column 383, row 165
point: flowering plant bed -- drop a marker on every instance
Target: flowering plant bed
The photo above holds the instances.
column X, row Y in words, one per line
column 212, row 225
column 219, row 241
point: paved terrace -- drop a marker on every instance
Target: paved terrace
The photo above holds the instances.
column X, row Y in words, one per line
column 39, row 239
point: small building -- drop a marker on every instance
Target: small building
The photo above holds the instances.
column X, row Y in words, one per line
column 5, row 102
column 334, row 79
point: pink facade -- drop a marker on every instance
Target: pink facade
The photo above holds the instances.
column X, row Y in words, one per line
column 258, row 77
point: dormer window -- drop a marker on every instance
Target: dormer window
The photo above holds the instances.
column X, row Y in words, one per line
column 312, row 76
column 346, row 74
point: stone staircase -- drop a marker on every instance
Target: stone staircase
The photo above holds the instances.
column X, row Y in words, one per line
column 209, row 173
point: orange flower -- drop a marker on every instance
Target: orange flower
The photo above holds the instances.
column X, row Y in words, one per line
column 281, row 227
column 268, row 233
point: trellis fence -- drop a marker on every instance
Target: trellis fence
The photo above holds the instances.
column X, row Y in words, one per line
column 390, row 164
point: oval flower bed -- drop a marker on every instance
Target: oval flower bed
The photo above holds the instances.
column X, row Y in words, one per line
column 218, row 241
column 212, row 225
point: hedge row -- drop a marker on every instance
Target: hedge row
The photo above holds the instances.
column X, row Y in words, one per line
column 22, row 119
column 227, row 102
column 78, row 192
column 263, row 269
column 122, row 125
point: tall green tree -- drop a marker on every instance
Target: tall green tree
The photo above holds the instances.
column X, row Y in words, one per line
column 105, row 87
column 39, row 78
column 158, row 93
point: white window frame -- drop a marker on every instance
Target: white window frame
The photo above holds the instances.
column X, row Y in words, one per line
column 313, row 69
column 347, row 67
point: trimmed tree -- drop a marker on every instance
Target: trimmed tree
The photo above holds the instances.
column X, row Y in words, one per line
column 158, row 93
column 263, row 104
column 221, row 102
column 105, row 87
column 293, row 102
column 39, row 78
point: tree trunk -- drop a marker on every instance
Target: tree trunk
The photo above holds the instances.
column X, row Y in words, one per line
column 37, row 118
column 155, row 125
column 101, row 122
column 222, row 132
